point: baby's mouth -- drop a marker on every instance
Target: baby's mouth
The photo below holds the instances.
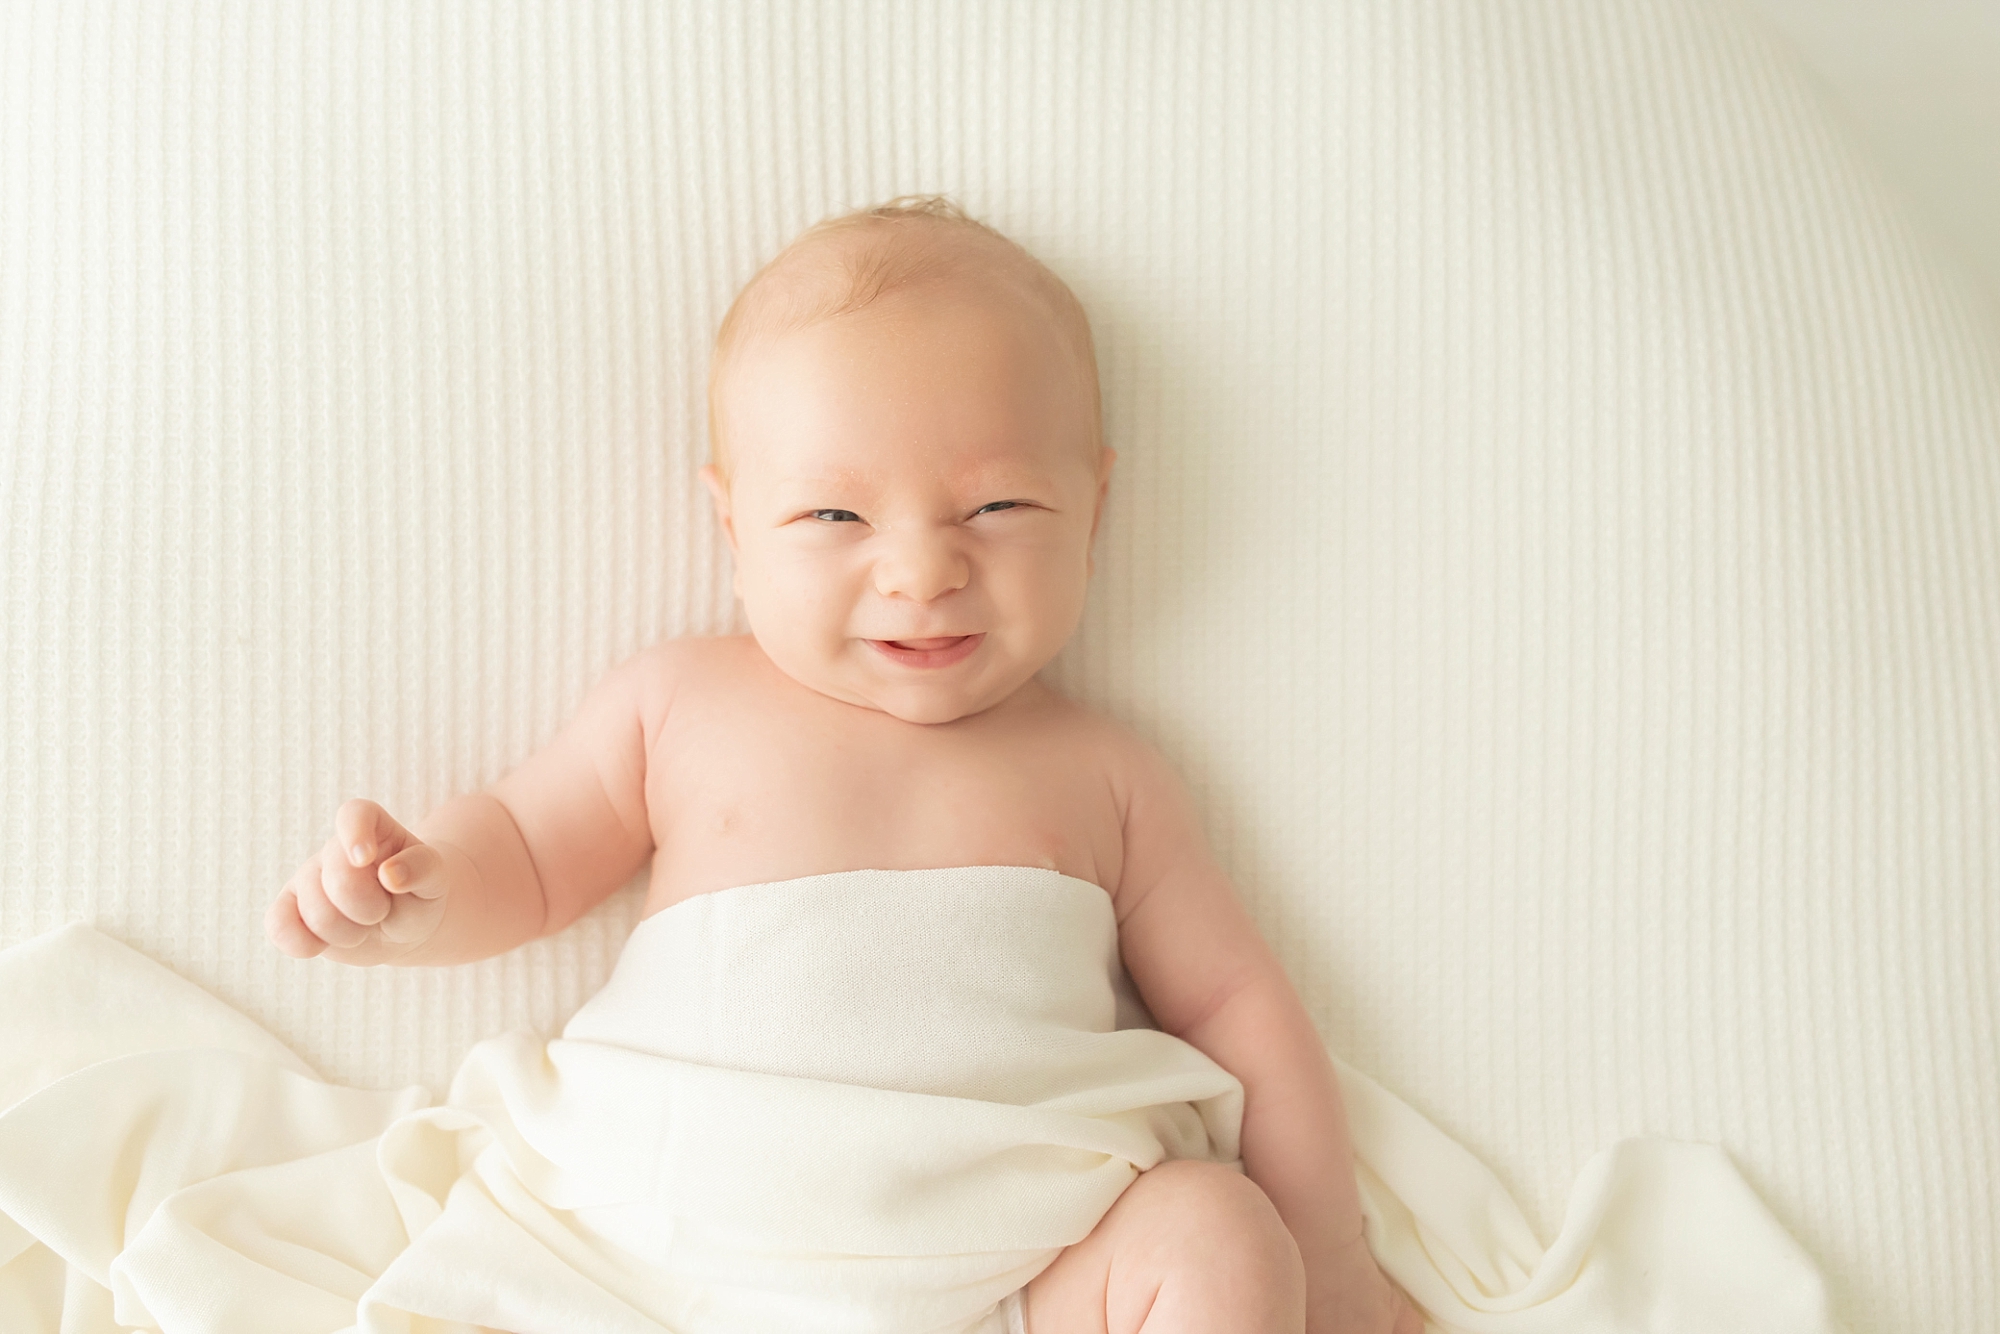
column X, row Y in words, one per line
column 942, row 651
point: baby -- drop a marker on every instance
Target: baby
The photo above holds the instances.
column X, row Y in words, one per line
column 910, row 469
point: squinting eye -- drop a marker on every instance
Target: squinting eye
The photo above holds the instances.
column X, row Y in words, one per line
column 837, row 516
column 997, row 505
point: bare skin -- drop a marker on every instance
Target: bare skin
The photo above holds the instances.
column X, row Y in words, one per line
column 911, row 504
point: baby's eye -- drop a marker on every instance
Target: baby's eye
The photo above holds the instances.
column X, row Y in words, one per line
column 837, row 516
column 997, row 505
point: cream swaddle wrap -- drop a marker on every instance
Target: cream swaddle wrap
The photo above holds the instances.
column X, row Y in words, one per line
column 868, row 1102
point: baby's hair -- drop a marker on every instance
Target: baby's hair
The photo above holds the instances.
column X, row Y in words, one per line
column 848, row 262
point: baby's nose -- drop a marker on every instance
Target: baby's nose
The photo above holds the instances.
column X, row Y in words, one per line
column 921, row 567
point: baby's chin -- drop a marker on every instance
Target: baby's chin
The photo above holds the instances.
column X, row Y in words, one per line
column 930, row 702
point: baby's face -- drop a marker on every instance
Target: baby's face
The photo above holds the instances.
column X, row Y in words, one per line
column 912, row 497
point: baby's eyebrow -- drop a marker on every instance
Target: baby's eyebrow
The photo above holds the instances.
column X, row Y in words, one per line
column 1005, row 478
column 988, row 484
column 806, row 488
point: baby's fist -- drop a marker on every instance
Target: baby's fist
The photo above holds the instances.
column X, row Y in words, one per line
column 372, row 894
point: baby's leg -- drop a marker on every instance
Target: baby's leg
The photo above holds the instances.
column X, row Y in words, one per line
column 1189, row 1248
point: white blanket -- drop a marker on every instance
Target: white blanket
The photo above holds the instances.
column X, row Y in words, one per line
column 874, row 1101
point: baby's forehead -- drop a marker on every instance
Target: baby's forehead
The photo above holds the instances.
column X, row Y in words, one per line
column 957, row 340
column 868, row 465
column 858, row 276
column 879, row 446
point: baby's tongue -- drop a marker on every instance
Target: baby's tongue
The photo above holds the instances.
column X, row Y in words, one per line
column 925, row 645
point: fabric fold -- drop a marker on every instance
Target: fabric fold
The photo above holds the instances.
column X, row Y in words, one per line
column 862, row 1103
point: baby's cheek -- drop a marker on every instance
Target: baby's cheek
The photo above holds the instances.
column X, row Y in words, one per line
column 770, row 596
column 1062, row 581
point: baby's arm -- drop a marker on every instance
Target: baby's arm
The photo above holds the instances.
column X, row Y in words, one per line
column 1210, row 979
column 490, row 870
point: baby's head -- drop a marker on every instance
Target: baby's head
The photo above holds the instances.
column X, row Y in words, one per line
column 908, row 460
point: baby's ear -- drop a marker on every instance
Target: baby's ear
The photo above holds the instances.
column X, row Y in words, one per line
column 1105, row 459
column 719, row 489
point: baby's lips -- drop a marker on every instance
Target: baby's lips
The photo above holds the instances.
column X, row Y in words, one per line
column 926, row 645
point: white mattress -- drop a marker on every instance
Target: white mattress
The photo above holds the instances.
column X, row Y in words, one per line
column 1558, row 490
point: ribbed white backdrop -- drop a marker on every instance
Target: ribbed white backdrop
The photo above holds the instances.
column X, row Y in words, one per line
column 1557, row 526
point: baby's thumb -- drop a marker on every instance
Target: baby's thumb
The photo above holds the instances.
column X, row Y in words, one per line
column 413, row 918
column 368, row 833
column 417, row 870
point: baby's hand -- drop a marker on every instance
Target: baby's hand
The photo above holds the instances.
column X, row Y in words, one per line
column 372, row 894
column 1352, row 1295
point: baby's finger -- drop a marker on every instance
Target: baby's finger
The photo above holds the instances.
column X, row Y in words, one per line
column 354, row 891
column 287, row 930
column 367, row 833
column 322, row 918
column 417, row 869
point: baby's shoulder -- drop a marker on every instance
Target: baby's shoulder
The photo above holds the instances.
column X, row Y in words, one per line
column 694, row 656
column 687, row 666
column 1159, row 825
column 1126, row 759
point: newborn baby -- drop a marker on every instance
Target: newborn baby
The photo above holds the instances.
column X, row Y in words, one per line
column 909, row 466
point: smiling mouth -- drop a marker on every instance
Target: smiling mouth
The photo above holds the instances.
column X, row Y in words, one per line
column 942, row 651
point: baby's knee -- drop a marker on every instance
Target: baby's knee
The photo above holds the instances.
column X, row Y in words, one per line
column 1193, row 1239
column 1208, row 1210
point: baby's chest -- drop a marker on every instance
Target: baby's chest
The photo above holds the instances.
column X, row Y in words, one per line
column 777, row 793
